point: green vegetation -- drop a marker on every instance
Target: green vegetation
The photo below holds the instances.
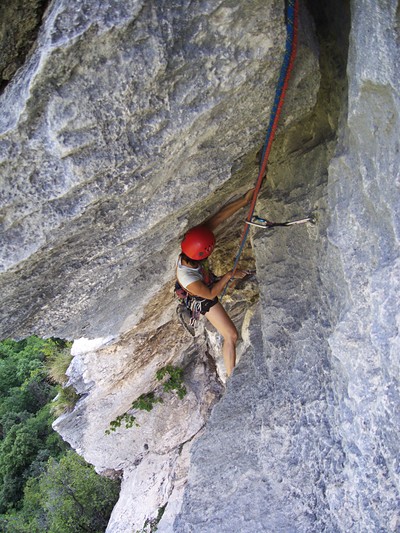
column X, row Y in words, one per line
column 129, row 420
column 44, row 486
column 175, row 380
column 151, row 524
column 65, row 401
column 146, row 402
column 57, row 363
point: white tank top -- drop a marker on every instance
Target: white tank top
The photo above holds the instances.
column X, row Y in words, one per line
column 187, row 275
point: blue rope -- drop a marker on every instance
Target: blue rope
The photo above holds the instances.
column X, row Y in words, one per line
column 283, row 72
column 290, row 32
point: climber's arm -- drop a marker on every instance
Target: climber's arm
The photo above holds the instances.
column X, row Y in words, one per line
column 198, row 288
column 228, row 210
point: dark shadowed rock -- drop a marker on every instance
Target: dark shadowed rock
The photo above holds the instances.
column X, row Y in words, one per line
column 19, row 24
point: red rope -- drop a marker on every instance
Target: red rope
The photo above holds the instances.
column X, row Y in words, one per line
column 264, row 162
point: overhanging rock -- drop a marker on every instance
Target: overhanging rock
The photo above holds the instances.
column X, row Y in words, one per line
column 116, row 134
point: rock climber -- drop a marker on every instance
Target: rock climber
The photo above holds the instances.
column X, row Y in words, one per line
column 203, row 288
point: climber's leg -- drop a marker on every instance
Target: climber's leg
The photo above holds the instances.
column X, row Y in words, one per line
column 221, row 321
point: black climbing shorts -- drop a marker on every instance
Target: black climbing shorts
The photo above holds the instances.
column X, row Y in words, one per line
column 205, row 305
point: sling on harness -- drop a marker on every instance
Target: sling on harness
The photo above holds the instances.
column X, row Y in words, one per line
column 189, row 307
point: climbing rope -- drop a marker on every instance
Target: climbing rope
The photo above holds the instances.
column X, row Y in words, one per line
column 286, row 69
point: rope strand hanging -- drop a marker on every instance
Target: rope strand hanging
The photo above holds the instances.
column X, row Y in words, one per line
column 292, row 14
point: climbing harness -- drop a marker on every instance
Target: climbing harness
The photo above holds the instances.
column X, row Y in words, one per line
column 286, row 69
column 190, row 307
column 185, row 318
column 264, row 223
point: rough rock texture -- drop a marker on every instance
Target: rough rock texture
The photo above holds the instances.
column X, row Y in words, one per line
column 115, row 136
column 364, row 201
column 152, row 459
column 322, row 401
column 130, row 121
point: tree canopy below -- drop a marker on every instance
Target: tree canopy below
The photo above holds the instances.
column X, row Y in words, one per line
column 44, row 485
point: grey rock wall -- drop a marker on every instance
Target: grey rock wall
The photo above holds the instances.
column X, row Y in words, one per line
column 131, row 121
column 115, row 136
column 270, row 450
column 322, row 400
column 364, row 200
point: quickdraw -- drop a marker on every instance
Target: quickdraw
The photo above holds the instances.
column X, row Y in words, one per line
column 264, row 223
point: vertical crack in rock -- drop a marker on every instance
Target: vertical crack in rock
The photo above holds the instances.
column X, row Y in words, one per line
column 129, row 122
column 364, row 236
column 271, row 450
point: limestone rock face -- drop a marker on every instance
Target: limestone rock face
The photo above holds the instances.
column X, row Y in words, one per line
column 322, row 453
column 365, row 234
column 115, row 136
column 128, row 123
column 152, row 456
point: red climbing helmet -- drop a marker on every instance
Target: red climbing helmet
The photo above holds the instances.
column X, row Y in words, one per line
column 198, row 243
